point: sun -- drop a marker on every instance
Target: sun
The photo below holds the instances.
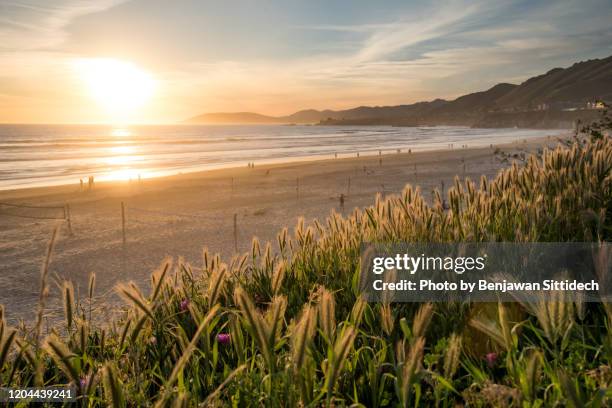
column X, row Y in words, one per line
column 120, row 87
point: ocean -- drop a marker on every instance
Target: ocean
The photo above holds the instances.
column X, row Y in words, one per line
column 44, row 155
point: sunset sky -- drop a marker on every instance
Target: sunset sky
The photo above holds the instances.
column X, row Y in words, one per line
column 176, row 59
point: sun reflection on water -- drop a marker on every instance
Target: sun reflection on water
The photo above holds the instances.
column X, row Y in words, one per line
column 124, row 174
column 121, row 132
column 121, row 155
column 122, row 158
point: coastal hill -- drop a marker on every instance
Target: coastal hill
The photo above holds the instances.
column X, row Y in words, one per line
column 233, row 117
column 555, row 99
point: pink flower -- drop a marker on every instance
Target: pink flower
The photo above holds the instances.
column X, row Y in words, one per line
column 223, row 338
column 84, row 382
column 491, row 359
column 184, row 305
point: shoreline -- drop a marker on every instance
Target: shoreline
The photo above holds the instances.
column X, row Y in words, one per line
column 50, row 175
column 33, row 191
column 180, row 215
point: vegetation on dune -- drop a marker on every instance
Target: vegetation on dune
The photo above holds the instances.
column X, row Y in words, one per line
column 288, row 327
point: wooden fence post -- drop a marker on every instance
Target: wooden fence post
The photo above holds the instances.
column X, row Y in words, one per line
column 123, row 221
column 67, row 217
column 235, row 232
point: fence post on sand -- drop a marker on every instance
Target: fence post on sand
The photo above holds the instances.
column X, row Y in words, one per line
column 123, row 221
column 67, row 217
column 235, row 232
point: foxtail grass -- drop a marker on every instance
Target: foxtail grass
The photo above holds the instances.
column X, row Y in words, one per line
column 44, row 289
column 131, row 293
column 68, row 293
column 113, row 388
column 452, row 357
column 63, row 357
column 182, row 361
column 327, row 313
column 259, row 327
column 337, row 356
column 409, row 371
column 422, row 319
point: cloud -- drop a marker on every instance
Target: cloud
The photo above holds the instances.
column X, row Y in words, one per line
column 415, row 30
column 40, row 24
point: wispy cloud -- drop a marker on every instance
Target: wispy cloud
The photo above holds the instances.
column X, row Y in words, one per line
column 415, row 30
column 35, row 25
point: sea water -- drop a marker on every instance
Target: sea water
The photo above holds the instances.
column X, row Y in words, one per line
column 42, row 155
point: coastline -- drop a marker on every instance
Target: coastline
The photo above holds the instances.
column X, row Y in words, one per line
column 47, row 158
column 180, row 215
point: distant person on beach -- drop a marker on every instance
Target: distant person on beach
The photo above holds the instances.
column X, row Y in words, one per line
column 81, row 180
column 342, row 201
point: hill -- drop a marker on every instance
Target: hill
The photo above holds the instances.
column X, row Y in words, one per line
column 554, row 99
column 233, row 117
column 579, row 83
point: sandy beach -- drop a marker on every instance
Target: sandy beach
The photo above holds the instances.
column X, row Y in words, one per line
column 180, row 215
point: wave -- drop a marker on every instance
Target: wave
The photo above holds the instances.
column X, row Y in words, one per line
column 62, row 154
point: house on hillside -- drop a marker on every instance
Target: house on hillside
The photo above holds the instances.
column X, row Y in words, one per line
column 596, row 105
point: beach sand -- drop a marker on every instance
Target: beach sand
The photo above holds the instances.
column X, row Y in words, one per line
column 180, row 215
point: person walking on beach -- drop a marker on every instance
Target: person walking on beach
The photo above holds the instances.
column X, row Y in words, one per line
column 342, row 201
